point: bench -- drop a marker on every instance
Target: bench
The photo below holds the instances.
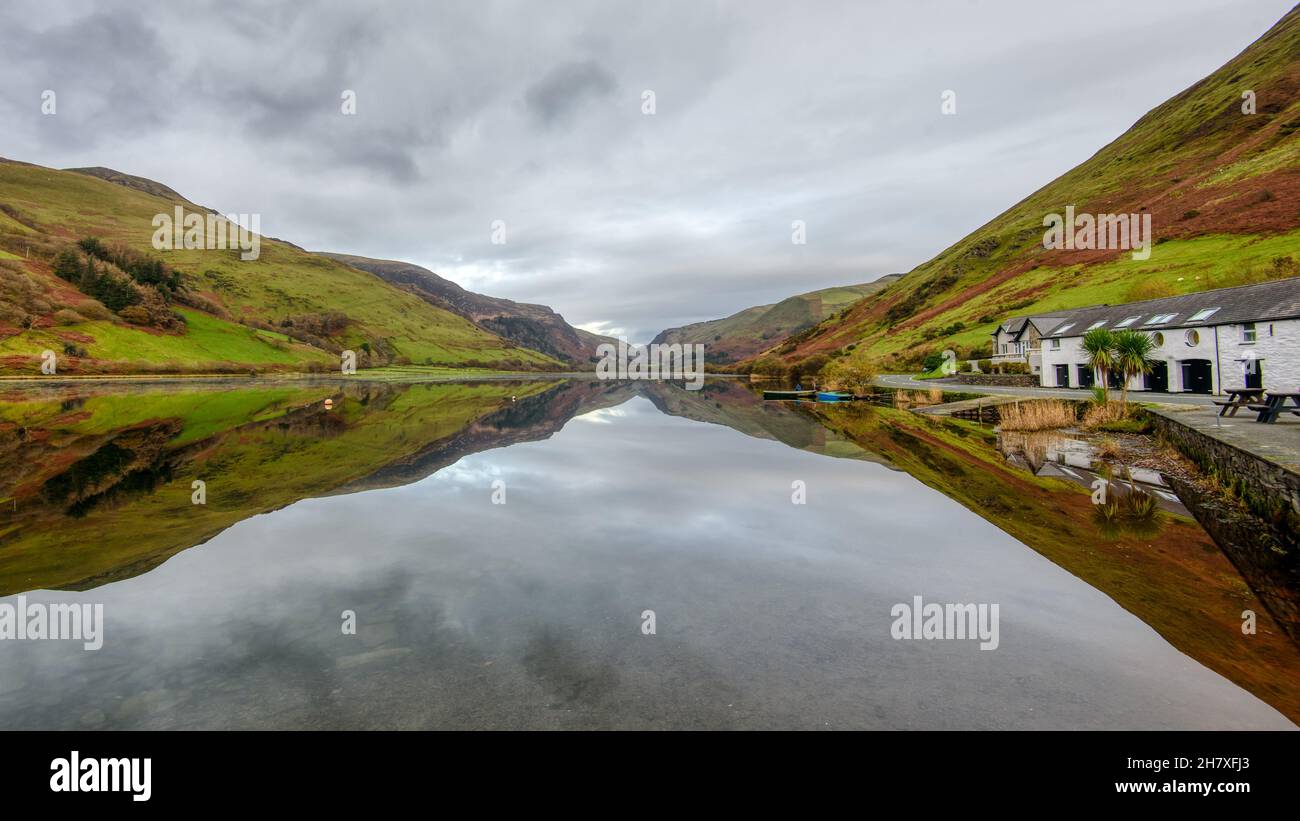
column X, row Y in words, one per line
column 1236, row 406
column 1269, row 412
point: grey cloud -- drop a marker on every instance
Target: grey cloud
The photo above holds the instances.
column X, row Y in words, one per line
column 471, row 111
column 556, row 96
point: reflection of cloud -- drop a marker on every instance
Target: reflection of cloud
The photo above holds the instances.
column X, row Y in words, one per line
column 601, row 416
column 470, row 614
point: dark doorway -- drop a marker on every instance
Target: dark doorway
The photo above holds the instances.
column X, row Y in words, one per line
column 1158, row 379
column 1115, row 379
column 1085, row 376
column 1062, row 376
column 1197, row 376
column 1254, row 373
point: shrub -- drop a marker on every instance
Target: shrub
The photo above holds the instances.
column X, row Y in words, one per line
column 92, row 310
column 849, row 375
column 67, row 316
column 769, row 366
column 134, row 314
column 810, row 366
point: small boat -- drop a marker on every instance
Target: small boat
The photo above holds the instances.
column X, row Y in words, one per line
column 834, row 396
column 789, row 394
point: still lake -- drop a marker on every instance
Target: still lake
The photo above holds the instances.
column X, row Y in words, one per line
column 499, row 544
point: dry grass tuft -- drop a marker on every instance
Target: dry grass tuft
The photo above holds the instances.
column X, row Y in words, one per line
column 1097, row 415
column 1038, row 414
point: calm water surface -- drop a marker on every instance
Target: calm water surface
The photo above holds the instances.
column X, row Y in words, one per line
column 528, row 614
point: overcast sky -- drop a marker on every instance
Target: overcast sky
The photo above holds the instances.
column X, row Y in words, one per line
column 531, row 113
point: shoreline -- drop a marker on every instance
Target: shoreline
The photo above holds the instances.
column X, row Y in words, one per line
column 56, row 380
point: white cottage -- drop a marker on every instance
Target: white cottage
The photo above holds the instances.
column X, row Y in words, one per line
column 1206, row 342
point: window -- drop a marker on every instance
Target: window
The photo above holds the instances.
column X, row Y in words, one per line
column 1067, row 326
column 1094, row 326
column 1129, row 321
column 1160, row 319
column 1202, row 314
column 1054, row 344
column 1248, row 333
column 1158, row 338
column 1192, row 338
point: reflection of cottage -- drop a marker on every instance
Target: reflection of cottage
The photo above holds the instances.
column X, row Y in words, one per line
column 1247, row 336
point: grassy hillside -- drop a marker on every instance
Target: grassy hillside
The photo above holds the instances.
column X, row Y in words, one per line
column 1222, row 188
column 287, row 310
column 531, row 326
column 752, row 330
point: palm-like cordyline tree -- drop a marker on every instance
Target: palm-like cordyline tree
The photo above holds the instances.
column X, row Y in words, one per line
column 1099, row 344
column 1132, row 356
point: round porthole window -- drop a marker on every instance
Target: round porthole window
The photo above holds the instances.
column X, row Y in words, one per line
column 1193, row 338
column 1158, row 338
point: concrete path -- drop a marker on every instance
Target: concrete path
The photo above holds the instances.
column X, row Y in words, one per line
column 1277, row 442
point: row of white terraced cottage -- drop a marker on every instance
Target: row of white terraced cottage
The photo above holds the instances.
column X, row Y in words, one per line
column 1207, row 342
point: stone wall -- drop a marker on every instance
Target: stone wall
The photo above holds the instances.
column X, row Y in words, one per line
column 1271, row 490
column 1260, row 540
column 1013, row 380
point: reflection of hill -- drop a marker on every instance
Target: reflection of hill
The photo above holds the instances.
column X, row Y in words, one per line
column 98, row 488
column 733, row 404
column 1173, row 577
column 526, row 419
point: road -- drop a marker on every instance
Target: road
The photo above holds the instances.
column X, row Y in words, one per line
column 907, row 382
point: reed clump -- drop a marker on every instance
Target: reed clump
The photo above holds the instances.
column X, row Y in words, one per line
column 1037, row 414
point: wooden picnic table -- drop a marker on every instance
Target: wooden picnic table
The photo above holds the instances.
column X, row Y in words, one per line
column 1239, row 398
column 1275, row 405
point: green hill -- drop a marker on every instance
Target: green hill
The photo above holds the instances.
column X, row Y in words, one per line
column 752, row 330
column 1222, row 188
column 126, row 307
column 536, row 327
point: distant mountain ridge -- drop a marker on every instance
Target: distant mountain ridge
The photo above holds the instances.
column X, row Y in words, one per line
column 532, row 326
column 748, row 332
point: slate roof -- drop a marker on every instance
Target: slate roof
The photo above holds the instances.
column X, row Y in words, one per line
column 1263, row 302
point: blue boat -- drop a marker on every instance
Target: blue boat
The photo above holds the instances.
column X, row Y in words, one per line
column 833, row 396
